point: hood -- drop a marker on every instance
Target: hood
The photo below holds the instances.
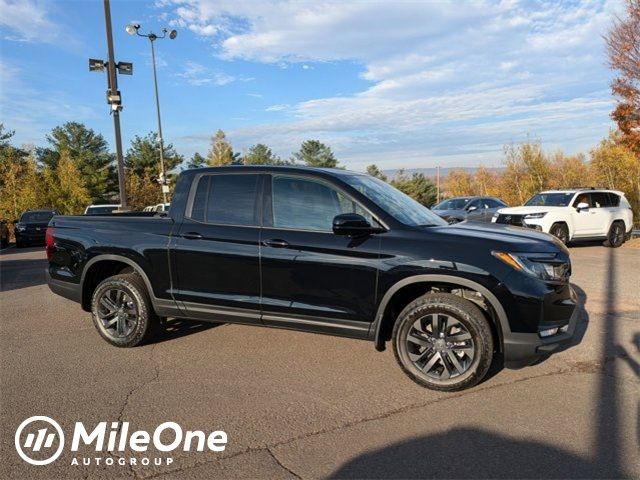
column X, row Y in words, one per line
column 525, row 210
column 504, row 237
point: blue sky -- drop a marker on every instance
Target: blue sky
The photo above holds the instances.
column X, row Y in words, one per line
column 399, row 84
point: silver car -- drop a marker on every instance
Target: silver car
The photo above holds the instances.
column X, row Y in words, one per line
column 478, row 209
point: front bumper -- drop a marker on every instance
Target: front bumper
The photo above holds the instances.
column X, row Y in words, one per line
column 30, row 237
column 522, row 349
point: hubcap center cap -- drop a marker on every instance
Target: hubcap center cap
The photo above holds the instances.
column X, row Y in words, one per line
column 440, row 344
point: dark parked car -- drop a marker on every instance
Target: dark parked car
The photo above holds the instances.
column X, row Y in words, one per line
column 4, row 234
column 31, row 228
column 326, row 251
column 458, row 209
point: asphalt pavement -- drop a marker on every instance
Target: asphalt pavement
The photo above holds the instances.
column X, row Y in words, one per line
column 301, row 405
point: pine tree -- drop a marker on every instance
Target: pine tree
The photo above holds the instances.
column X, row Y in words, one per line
column 90, row 153
column 260, row 154
column 314, row 153
column 221, row 153
column 197, row 161
column 374, row 171
column 143, row 157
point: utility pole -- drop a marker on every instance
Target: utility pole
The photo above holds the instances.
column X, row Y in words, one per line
column 113, row 98
column 134, row 29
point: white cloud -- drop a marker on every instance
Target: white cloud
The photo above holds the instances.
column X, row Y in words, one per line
column 198, row 75
column 444, row 78
column 28, row 21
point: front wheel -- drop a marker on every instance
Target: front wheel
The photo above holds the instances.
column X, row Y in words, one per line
column 560, row 231
column 122, row 311
column 443, row 342
column 615, row 237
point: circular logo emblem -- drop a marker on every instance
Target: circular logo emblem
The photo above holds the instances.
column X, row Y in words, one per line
column 38, row 445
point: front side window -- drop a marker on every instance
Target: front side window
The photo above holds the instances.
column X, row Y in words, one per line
column 582, row 198
column 226, row 200
column 305, row 204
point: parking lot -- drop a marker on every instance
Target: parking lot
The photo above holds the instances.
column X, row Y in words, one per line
column 299, row 405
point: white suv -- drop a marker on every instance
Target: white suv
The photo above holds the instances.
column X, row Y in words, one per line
column 571, row 215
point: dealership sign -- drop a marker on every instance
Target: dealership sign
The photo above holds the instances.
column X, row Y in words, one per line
column 40, row 440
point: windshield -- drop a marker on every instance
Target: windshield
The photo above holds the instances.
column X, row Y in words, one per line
column 550, row 200
column 99, row 210
column 36, row 217
column 452, row 204
column 394, row 202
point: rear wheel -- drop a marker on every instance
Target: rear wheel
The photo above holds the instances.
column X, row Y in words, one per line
column 122, row 311
column 443, row 342
column 615, row 237
column 560, row 231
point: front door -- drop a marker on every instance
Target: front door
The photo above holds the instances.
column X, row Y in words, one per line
column 311, row 278
column 215, row 256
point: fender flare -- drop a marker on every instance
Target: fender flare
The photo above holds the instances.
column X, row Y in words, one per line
column 502, row 325
column 119, row 258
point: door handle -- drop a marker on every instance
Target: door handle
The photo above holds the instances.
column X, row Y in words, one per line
column 192, row 236
column 275, row 243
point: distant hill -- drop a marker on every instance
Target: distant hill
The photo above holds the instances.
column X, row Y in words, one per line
column 431, row 172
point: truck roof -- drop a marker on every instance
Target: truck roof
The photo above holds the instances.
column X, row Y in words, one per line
column 337, row 172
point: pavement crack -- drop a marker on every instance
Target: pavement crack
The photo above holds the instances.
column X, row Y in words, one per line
column 282, row 465
column 130, row 394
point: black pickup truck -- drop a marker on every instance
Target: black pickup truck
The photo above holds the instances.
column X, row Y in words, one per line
column 326, row 251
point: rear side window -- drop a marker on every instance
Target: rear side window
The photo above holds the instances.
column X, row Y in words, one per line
column 600, row 200
column 226, row 200
column 493, row 203
column 614, row 200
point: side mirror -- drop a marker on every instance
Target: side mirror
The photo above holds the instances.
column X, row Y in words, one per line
column 352, row 224
column 582, row 206
column 472, row 208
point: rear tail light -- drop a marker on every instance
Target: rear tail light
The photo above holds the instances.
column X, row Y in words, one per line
column 50, row 241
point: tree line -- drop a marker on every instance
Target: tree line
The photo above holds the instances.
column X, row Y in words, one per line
column 76, row 168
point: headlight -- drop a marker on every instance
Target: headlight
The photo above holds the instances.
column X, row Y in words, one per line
column 20, row 228
column 535, row 215
column 544, row 266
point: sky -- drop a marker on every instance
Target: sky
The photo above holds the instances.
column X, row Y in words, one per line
column 399, row 84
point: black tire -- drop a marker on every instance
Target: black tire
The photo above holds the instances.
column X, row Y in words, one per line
column 471, row 322
column 616, row 235
column 560, row 231
column 126, row 292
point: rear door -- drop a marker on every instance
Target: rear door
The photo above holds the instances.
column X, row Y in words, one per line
column 216, row 252
column 588, row 223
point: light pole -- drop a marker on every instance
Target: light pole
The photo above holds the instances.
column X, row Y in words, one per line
column 134, row 29
column 113, row 97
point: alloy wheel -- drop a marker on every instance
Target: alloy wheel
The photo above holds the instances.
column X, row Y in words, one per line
column 440, row 346
column 117, row 312
column 618, row 234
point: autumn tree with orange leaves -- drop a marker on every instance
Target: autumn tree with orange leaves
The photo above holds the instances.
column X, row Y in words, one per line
column 623, row 47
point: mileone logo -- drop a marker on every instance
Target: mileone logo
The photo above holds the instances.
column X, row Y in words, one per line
column 39, row 440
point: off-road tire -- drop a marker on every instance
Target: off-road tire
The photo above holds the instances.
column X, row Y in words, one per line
column 147, row 324
column 466, row 313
